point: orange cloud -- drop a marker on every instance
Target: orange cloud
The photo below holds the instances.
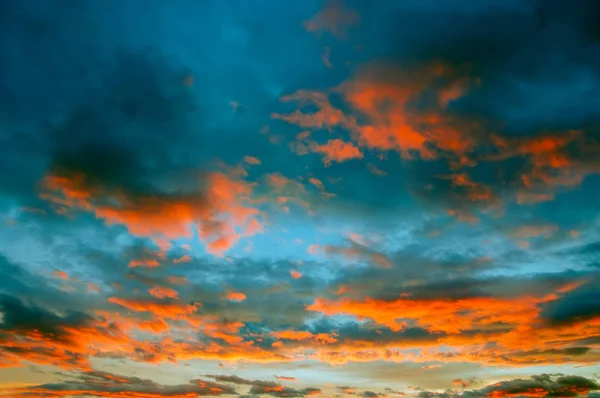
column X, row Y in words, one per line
column 288, row 192
column 183, row 259
column 68, row 346
column 394, row 126
column 226, row 331
column 338, row 151
column 75, row 193
column 551, row 165
column 287, row 378
column 296, row 274
column 219, row 213
column 317, row 183
column 314, row 249
column 292, row 335
column 327, row 116
column 61, row 275
column 251, row 160
column 534, row 231
column 235, row 296
column 177, row 280
column 448, row 316
column 460, row 383
column 546, row 151
column 163, row 309
column 526, row 198
column 149, row 262
column 154, row 326
column 163, row 292
column 322, row 338
column 474, row 191
column 93, row 288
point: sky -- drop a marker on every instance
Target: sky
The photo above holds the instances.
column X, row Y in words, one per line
column 358, row 198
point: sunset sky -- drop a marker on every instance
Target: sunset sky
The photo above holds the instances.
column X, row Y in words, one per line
column 369, row 198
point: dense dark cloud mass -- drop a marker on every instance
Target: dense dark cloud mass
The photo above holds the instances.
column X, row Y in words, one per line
column 101, row 384
column 576, row 306
column 261, row 387
column 538, row 386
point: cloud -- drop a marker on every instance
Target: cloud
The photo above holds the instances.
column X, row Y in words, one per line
column 287, row 378
column 533, row 231
column 337, row 151
column 356, row 251
column 267, row 387
column 326, row 57
column 537, row 386
column 326, row 116
column 235, row 296
column 397, row 125
column 334, row 18
column 166, row 309
column 415, row 323
column 252, row 161
column 162, row 216
column 576, row 305
column 323, row 338
column 368, row 394
column 295, row 274
column 102, row 384
column 317, row 183
column 61, row 275
column 178, row 280
column 449, row 316
column 163, row 292
column 98, row 159
column 183, row 259
column 150, row 262
column 40, row 336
